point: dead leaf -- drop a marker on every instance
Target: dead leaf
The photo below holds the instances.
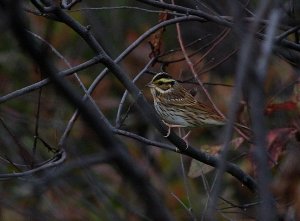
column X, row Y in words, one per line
column 156, row 38
column 277, row 140
column 286, row 186
column 198, row 168
column 296, row 95
column 237, row 142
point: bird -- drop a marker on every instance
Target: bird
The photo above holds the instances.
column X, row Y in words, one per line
column 177, row 107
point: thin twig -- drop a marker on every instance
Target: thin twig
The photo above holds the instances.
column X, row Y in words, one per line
column 185, row 182
column 36, row 129
column 287, row 33
column 121, row 104
column 58, row 159
column 191, row 66
column 46, row 81
column 218, row 63
column 183, row 204
column 144, row 140
column 123, row 7
column 216, row 41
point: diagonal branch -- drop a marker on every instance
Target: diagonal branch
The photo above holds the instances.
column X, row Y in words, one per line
column 154, row 207
column 147, row 110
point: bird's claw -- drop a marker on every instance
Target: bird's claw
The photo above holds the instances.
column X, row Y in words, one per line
column 169, row 131
column 186, row 141
column 186, row 145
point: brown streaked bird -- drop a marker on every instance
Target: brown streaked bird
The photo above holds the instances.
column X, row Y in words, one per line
column 177, row 107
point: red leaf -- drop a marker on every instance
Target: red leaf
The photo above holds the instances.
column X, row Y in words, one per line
column 286, row 106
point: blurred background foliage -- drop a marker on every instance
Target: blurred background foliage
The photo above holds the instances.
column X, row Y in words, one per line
column 99, row 192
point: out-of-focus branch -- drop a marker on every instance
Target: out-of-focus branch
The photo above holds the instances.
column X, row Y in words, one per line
column 191, row 66
column 46, row 81
column 144, row 106
column 257, row 103
column 96, row 60
column 82, row 162
column 188, row 11
column 243, row 68
column 55, row 161
column 68, row 5
column 225, row 21
column 121, row 105
column 143, row 188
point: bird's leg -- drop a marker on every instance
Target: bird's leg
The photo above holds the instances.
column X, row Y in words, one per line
column 171, row 126
column 187, row 135
column 185, row 138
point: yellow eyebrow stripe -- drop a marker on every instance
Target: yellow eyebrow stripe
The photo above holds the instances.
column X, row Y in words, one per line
column 165, row 80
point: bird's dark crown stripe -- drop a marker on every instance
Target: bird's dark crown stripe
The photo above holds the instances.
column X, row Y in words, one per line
column 162, row 75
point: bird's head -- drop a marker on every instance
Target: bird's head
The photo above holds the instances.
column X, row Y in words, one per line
column 161, row 83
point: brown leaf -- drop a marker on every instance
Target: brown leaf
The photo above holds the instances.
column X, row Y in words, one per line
column 277, row 140
column 156, row 38
column 296, row 95
column 286, row 186
column 198, row 168
column 237, row 142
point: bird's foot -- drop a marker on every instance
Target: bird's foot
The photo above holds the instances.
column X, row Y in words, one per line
column 185, row 138
column 171, row 126
column 169, row 131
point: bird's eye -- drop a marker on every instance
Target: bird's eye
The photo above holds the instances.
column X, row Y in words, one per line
column 159, row 83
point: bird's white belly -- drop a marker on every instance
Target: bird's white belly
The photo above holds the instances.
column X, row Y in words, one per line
column 177, row 120
column 167, row 114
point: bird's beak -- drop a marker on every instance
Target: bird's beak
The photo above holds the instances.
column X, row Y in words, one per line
column 150, row 85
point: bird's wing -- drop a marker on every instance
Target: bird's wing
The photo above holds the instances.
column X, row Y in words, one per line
column 180, row 97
